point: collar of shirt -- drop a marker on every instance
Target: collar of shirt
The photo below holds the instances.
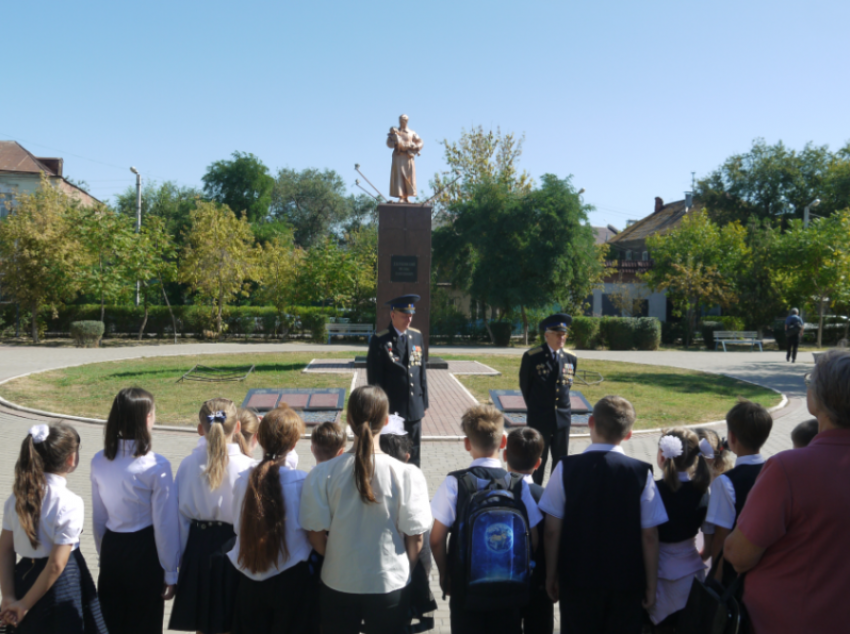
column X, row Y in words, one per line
column 684, row 476
column 753, row 459
column 528, row 479
column 552, row 351
column 598, row 446
column 399, row 332
column 126, row 447
column 55, row 480
column 493, row 463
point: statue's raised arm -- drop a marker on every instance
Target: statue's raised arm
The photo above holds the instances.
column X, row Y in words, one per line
column 406, row 145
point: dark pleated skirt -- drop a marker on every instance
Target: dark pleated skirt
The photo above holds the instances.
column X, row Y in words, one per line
column 70, row 606
column 277, row 605
column 206, row 589
column 131, row 582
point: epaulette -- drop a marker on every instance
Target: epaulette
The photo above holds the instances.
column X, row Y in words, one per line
column 414, row 330
column 382, row 333
column 535, row 350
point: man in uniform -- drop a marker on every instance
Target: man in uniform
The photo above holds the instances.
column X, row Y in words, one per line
column 397, row 364
column 545, row 377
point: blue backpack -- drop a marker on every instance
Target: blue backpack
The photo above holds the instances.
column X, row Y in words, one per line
column 490, row 542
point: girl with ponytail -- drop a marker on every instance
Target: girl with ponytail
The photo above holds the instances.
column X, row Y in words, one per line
column 682, row 458
column 205, row 481
column 366, row 513
column 271, row 549
column 250, row 424
column 50, row 589
column 136, row 529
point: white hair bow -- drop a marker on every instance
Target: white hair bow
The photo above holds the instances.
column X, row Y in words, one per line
column 706, row 449
column 671, row 447
column 39, row 433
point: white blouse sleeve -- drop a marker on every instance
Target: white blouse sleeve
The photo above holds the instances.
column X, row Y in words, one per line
column 99, row 512
column 314, row 513
column 69, row 522
column 8, row 513
column 185, row 520
column 414, row 513
column 165, row 522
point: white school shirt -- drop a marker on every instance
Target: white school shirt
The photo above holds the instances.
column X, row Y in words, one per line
column 366, row 552
column 130, row 494
column 554, row 499
column 61, row 522
column 444, row 504
column 292, row 482
column 721, row 506
column 195, row 501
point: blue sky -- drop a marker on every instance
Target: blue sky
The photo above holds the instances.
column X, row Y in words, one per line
column 628, row 97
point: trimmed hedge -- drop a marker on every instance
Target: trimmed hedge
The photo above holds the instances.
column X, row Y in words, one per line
column 616, row 333
column 87, row 334
column 584, row 332
column 647, row 333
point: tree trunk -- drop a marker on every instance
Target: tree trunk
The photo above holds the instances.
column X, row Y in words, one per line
column 145, row 319
column 35, row 322
column 524, row 324
column 170, row 312
column 820, row 321
column 102, row 307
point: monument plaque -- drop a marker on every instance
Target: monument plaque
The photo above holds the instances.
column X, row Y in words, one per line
column 403, row 268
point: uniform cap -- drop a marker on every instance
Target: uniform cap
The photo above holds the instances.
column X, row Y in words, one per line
column 404, row 304
column 559, row 322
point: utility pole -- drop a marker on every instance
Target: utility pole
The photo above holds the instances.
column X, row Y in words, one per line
column 807, row 209
column 138, row 218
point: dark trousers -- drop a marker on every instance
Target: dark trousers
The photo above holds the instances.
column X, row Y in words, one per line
column 344, row 613
column 414, row 430
column 275, row 605
column 557, row 441
column 131, row 582
column 601, row 612
column 793, row 343
column 489, row 622
column 538, row 617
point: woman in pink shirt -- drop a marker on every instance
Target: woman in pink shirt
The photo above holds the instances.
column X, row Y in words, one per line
column 791, row 535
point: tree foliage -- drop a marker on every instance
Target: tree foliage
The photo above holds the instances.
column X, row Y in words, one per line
column 243, row 184
column 776, row 183
column 517, row 249
column 220, row 257
column 479, row 157
column 38, row 250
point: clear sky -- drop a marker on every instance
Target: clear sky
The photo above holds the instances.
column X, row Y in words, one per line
column 628, row 97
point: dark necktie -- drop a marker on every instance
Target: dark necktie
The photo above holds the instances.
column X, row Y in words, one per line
column 402, row 347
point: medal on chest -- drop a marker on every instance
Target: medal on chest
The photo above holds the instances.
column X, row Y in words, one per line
column 393, row 358
column 416, row 356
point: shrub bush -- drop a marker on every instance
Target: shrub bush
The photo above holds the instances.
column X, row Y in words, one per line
column 671, row 331
column 618, row 332
column 316, row 324
column 87, row 334
column 584, row 332
column 647, row 333
column 450, row 323
column 501, row 333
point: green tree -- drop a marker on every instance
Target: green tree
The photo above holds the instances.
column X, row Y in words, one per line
column 105, row 238
column 776, row 183
column 315, row 203
column 220, row 257
column 817, row 263
column 243, row 184
column 362, row 247
column 38, row 251
column 168, row 201
column 281, row 265
column 696, row 263
column 327, row 274
column 516, row 249
column 479, row 157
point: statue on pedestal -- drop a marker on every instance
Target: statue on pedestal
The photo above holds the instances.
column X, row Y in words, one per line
column 406, row 144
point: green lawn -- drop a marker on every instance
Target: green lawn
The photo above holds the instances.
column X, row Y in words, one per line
column 661, row 395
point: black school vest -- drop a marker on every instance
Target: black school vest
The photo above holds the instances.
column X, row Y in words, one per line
column 742, row 477
column 685, row 512
column 601, row 545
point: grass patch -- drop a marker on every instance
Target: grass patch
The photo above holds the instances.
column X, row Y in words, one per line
column 662, row 396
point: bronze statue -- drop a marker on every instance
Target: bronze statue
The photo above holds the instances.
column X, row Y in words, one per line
column 406, row 145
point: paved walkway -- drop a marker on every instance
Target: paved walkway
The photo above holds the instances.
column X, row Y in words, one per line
column 439, row 458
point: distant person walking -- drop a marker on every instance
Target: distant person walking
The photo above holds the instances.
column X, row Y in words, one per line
column 794, row 327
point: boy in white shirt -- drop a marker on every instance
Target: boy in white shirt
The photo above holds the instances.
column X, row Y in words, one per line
column 485, row 437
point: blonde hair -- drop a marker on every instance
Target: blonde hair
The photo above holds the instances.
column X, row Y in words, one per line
column 218, row 417
column 484, row 425
column 249, row 424
column 690, row 455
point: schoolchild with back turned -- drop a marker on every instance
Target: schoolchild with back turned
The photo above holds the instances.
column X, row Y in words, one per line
column 523, row 455
column 489, row 518
column 601, row 537
column 205, row 479
column 748, row 427
column 684, row 491
column 50, row 588
column 136, row 529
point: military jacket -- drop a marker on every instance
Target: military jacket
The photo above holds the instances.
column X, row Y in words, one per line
column 402, row 376
column 545, row 385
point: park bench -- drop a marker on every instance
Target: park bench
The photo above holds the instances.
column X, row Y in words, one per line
column 350, row 329
column 737, row 337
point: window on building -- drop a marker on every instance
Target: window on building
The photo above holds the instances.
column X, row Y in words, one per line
column 645, row 256
column 628, row 256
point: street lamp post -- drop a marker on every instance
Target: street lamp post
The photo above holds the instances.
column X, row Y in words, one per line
column 807, row 209
column 138, row 218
